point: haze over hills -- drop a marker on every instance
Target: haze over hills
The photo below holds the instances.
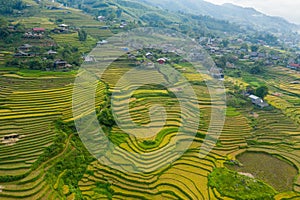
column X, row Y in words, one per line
column 145, row 13
column 166, row 11
column 247, row 17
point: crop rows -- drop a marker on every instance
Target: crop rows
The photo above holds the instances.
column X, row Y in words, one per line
column 29, row 108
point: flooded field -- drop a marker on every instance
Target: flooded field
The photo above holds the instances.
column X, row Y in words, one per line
column 272, row 170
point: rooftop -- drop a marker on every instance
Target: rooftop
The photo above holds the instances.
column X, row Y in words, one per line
column 254, row 97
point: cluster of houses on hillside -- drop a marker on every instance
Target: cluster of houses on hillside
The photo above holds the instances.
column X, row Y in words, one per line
column 241, row 50
column 24, row 51
column 119, row 24
column 35, row 33
column 39, row 33
column 149, row 58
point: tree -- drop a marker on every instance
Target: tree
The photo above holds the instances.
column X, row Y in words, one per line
column 119, row 13
column 111, row 16
column 3, row 22
column 254, row 48
column 225, row 43
column 4, row 33
column 3, row 28
column 262, row 91
column 231, row 58
column 106, row 117
column 82, row 35
column 256, row 69
column 249, row 89
column 245, row 47
column 221, row 62
column 8, row 7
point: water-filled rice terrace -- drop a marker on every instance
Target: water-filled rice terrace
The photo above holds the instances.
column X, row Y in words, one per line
column 29, row 108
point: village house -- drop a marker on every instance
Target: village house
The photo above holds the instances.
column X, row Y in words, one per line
column 104, row 27
column 125, row 49
column 165, row 51
column 123, row 24
column 149, row 55
column 90, row 58
column 261, row 55
column 196, row 56
column 22, row 54
column 258, row 101
column 246, row 57
column 102, row 42
column 61, row 64
column 51, row 52
column 230, row 65
column 38, row 30
column 63, row 26
column 150, row 65
column 217, row 73
column 11, row 28
column 295, row 82
column 161, row 61
column 275, row 57
column 101, row 18
column 294, row 66
column 25, row 47
column 253, row 54
column 131, row 56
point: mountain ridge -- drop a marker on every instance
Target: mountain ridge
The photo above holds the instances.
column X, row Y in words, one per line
column 245, row 16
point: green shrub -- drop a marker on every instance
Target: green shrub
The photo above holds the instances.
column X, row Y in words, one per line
column 239, row 187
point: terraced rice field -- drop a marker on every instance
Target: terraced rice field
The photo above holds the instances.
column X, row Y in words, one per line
column 187, row 177
column 32, row 22
column 73, row 39
column 4, row 55
column 29, row 106
column 287, row 92
column 72, row 17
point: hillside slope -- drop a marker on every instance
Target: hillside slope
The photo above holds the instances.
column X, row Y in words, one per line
column 147, row 14
column 247, row 17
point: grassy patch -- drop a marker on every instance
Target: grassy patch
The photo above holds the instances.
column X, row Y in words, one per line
column 38, row 73
column 239, row 187
column 9, row 69
column 73, row 39
column 253, row 81
column 31, row 22
column 231, row 112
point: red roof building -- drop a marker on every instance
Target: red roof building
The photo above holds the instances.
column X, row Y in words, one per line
column 38, row 30
column 161, row 61
column 294, row 66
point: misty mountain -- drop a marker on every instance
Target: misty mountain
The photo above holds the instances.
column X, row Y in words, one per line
column 144, row 13
column 246, row 17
